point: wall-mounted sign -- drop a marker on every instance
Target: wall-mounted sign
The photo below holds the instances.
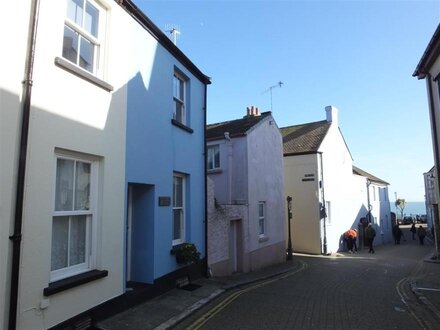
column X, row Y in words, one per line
column 309, row 177
column 164, row 201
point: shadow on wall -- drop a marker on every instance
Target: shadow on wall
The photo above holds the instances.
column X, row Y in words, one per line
column 358, row 225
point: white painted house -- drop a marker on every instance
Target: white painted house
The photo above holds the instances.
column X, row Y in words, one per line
column 327, row 197
column 246, row 212
column 428, row 69
column 71, row 70
column 371, row 193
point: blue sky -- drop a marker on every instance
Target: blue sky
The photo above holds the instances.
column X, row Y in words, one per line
column 358, row 56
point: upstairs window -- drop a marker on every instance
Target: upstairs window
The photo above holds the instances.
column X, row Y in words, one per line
column 213, row 157
column 179, row 93
column 83, row 34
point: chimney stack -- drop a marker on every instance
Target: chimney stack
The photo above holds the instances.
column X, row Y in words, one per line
column 332, row 114
column 252, row 111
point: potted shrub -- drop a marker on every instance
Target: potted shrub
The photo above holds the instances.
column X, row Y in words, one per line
column 186, row 253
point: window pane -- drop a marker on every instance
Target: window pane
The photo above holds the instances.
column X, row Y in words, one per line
column 82, row 186
column 178, row 115
column 176, row 88
column 75, row 11
column 64, row 185
column 177, row 221
column 60, row 234
column 70, row 45
column 86, row 55
column 77, row 250
column 217, row 157
column 213, row 157
column 261, row 210
column 91, row 20
column 210, row 163
column 178, row 192
column 261, row 224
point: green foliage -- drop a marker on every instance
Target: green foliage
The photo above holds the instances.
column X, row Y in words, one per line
column 400, row 203
column 186, row 253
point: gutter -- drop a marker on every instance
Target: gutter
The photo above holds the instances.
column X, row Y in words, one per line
column 19, row 199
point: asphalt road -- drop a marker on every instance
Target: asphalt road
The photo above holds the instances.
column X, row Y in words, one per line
column 365, row 291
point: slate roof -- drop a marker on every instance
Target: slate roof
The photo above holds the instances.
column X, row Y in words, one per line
column 237, row 127
column 304, row 138
column 358, row 171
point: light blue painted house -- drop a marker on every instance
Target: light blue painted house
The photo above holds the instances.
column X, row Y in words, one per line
column 165, row 167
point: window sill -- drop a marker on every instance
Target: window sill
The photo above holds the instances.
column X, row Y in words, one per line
column 66, row 65
column 74, row 281
column 182, row 126
column 215, row 171
column 263, row 238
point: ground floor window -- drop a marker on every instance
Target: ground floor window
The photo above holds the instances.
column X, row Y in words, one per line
column 74, row 215
column 179, row 183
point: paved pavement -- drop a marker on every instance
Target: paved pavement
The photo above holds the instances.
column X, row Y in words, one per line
column 421, row 290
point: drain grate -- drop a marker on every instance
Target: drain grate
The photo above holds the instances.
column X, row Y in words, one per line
column 190, row 287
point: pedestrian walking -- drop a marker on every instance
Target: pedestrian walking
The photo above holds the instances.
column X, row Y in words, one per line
column 397, row 234
column 370, row 234
column 413, row 231
column 421, row 232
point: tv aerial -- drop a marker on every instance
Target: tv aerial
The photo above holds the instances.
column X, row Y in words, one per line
column 278, row 85
column 173, row 31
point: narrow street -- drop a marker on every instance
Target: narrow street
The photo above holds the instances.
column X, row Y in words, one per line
column 360, row 291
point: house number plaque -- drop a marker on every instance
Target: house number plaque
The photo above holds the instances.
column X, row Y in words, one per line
column 164, row 201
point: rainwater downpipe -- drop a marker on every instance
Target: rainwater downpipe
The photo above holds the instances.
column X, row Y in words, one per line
column 205, row 148
column 323, row 203
column 436, row 150
column 368, row 200
column 21, row 173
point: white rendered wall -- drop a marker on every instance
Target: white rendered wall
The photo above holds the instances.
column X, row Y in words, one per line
column 305, row 224
column 266, row 184
column 12, row 18
column 73, row 114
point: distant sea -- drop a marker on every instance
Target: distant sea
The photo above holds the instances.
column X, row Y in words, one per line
column 411, row 208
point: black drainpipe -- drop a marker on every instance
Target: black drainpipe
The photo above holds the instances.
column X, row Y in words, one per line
column 205, row 148
column 18, row 215
column 436, row 150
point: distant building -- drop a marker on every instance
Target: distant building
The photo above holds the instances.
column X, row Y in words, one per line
column 329, row 195
column 246, row 208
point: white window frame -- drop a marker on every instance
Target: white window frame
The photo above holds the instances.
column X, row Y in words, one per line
column 180, row 100
column 212, row 151
column 91, row 222
column 97, row 42
column 182, row 209
column 262, row 219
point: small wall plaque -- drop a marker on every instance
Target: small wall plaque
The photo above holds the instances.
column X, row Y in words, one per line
column 164, row 201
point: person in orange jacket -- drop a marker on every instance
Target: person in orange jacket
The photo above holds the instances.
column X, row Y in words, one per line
column 350, row 237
